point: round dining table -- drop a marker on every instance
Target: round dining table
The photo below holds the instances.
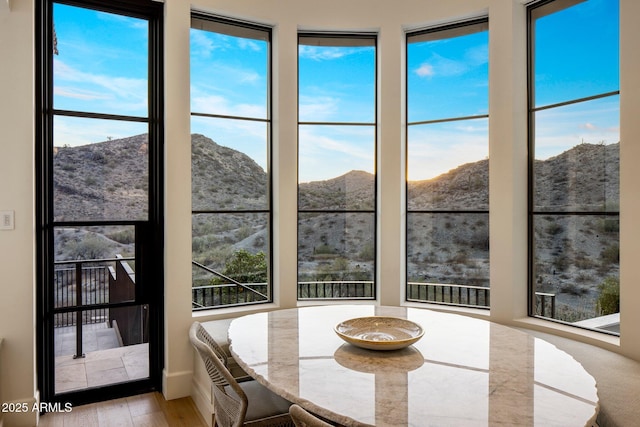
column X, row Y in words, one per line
column 463, row 371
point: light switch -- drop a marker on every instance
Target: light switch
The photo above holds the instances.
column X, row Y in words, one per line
column 6, row 220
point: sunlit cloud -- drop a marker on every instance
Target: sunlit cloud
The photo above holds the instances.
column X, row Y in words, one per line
column 216, row 104
column 437, row 149
column 327, row 153
column 560, row 129
column 74, row 131
column 73, row 92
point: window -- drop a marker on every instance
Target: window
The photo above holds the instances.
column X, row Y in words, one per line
column 447, row 233
column 230, row 163
column 100, row 238
column 336, row 166
column 574, row 162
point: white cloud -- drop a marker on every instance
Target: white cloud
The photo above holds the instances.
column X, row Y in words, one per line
column 249, row 45
column 124, row 92
column 318, row 108
column 425, row 70
column 434, row 150
column 325, row 53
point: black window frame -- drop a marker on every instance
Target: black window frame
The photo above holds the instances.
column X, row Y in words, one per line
column 349, row 37
column 532, row 296
column 443, row 294
column 247, row 26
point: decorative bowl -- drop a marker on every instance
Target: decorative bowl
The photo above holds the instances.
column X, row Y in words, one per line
column 379, row 332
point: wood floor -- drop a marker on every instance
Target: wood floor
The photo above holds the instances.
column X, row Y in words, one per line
column 145, row 410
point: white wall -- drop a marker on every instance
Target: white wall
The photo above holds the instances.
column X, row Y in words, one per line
column 17, row 354
column 390, row 19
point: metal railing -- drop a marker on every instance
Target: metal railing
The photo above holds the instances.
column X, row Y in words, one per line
column 461, row 295
column 228, row 294
column 336, row 289
column 75, row 285
column 546, row 303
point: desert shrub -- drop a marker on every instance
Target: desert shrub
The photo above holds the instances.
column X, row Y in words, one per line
column 367, row 253
column 323, row 249
column 553, row 229
column 245, row 267
column 610, row 254
column 609, row 296
column 126, row 236
column 90, row 247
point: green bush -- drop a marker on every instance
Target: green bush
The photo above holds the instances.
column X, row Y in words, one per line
column 609, row 296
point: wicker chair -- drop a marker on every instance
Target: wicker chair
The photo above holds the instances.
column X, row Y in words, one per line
column 237, row 404
column 302, row 418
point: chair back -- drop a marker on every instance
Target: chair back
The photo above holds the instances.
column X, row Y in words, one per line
column 302, row 418
column 230, row 407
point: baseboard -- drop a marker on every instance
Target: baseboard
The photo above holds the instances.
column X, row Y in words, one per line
column 202, row 399
column 177, row 384
column 28, row 418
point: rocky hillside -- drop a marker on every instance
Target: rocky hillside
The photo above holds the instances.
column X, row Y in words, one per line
column 108, row 180
column 102, row 181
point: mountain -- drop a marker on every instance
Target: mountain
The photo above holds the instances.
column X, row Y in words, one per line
column 108, row 180
column 223, row 178
column 101, row 181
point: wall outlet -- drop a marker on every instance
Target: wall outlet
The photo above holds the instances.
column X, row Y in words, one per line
column 6, row 220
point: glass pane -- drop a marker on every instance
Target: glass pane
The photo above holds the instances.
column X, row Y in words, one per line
column 229, row 249
column 576, row 51
column 577, row 154
column 229, row 74
column 229, row 165
column 354, row 190
column 327, row 152
column 336, row 83
column 114, row 347
column 448, row 166
column 336, row 255
column 448, row 78
column 447, row 248
column 100, row 170
column 102, row 62
column 88, row 260
column 576, row 267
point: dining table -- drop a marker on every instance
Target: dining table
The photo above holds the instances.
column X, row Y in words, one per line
column 463, row 371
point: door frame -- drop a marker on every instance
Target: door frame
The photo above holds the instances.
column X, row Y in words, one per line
column 152, row 253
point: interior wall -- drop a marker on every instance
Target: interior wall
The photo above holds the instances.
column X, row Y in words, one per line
column 17, row 284
column 390, row 20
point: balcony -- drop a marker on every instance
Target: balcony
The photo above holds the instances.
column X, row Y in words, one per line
column 102, row 344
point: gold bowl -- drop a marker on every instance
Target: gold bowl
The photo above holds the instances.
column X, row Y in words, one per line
column 379, row 332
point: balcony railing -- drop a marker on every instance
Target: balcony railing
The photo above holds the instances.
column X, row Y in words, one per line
column 336, row 289
column 460, row 295
column 234, row 294
column 80, row 283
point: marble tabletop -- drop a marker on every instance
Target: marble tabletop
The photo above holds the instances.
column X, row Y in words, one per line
column 463, row 372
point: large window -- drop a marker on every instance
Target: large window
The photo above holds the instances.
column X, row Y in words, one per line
column 574, row 162
column 447, row 165
column 336, row 166
column 230, row 163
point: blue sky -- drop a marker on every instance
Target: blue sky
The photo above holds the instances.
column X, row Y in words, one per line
column 102, row 68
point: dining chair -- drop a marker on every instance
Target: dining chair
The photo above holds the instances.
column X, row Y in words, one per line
column 302, row 418
column 237, row 404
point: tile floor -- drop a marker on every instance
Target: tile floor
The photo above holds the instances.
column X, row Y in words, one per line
column 105, row 362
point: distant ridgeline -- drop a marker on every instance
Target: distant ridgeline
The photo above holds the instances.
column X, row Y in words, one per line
column 114, row 174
